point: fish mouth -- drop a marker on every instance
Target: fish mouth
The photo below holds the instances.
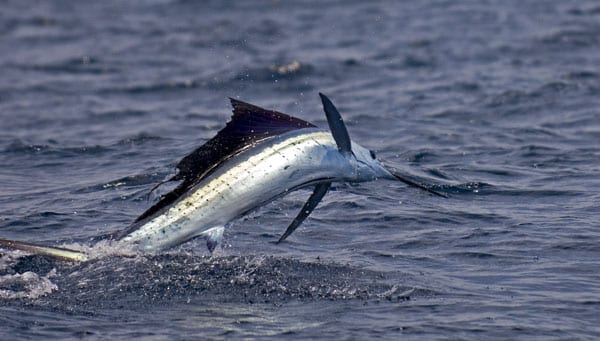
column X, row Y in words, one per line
column 424, row 187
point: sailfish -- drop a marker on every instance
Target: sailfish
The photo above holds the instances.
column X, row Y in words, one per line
column 259, row 156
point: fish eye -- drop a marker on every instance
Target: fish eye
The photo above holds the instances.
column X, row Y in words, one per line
column 372, row 154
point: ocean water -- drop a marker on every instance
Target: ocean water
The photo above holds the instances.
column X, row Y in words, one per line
column 494, row 102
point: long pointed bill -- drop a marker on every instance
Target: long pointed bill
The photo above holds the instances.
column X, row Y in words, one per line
column 409, row 182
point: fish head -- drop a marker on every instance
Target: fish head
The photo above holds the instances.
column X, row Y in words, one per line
column 366, row 165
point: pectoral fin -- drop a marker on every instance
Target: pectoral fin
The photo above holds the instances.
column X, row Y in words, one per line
column 308, row 207
column 337, row 126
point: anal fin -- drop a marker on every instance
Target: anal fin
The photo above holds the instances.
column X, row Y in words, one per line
column 213, row 237
column 309, row 206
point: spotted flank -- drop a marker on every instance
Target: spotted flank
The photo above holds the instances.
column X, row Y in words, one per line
column 259, row 156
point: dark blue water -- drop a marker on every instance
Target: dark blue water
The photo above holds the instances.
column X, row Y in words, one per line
column 496, row 102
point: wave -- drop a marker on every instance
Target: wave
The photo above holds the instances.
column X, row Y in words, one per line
column 151, row 279
column 18, row 146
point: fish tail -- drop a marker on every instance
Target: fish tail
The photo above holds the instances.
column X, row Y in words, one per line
column 52, row 251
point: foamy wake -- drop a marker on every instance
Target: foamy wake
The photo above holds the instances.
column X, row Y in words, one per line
column 104, row 248
column 23, row 285
column 31, row 285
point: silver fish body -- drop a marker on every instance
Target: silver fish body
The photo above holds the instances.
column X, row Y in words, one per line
column 258, row 156
column 253, row 177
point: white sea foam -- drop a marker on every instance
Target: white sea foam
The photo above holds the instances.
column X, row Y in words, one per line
column 104, row 248
column 27, row 285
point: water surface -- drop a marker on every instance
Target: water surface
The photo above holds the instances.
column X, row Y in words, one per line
column 496, row 102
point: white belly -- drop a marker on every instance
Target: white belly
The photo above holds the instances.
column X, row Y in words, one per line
column 251, row 178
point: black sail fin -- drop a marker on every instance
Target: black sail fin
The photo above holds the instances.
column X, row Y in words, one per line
column 248, row 125
column 312, row 202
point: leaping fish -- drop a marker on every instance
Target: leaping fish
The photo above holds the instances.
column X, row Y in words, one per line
column 258, row 156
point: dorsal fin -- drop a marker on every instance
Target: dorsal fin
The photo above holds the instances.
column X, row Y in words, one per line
column 337, row 126
column 248, row 125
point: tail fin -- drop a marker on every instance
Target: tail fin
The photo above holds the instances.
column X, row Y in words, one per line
column 52, row 251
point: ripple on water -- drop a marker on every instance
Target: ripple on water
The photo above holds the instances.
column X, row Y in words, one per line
column 250, row 279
